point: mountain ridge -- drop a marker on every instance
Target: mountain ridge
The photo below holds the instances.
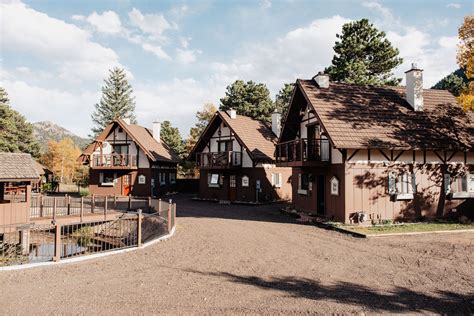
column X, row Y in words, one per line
column 44, row 131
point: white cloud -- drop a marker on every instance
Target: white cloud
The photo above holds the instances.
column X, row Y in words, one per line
column 156, row 50
column 153, row 24
column 186, row 56
column 108, row 22
column 77, row 17
column 68, row 48
column 453, row 5
column 266, row 4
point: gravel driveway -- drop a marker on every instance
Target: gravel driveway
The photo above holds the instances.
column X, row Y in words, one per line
column 241, row 259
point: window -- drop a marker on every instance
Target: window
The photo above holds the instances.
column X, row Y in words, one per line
column 459, row 186
column 303, row 183
column 233, row 181
column 276, row 180
column 120, row 149
column 172, row 178
column 162, row 177
column 213, row 180
column 403, row 185
column 225, row 146
column 107, row 179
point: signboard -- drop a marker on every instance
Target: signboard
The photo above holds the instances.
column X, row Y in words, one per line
column 334, row 184
column 257, row 184
column 215, row 178
column 245, row 181
column 141, row 179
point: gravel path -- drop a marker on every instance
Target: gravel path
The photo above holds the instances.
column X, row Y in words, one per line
column 240, row 259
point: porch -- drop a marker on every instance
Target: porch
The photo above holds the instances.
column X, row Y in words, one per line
column 303, row 152
column 219, row 160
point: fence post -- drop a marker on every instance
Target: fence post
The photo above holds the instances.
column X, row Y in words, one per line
column 82, row 208
column 55, row 201
column 68, row 204
column 57, row 242
column 105, row 208
column 115, row 202
column 159, row 206
column 149, row 204
column 129, row 203
column 169, row 214
column 139, row 228
column 41, row 206
column 92, row 203
column 174, row 214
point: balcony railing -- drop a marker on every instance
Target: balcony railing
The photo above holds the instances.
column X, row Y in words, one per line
column 220, row 160
column 114, row 161
column 303, row 150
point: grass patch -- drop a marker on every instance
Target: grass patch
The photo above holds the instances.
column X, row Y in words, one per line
column 406, row 228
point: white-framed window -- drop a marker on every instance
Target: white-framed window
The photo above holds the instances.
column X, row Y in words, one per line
column 107, row 179
column 213, row 180
column 276, row 180
column 162, row 177
column 303, row 183
column 172, row 178
column 233, row 181
column 460, row 186
column 402, row 185
column 141, row 179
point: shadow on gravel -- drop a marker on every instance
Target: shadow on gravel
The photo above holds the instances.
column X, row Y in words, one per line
column 399, row 300
column 186, row 207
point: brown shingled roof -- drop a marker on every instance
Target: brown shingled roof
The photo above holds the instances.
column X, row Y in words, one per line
column 17, row 167
column 156, row 151
column 358, row 117
column 256, row 136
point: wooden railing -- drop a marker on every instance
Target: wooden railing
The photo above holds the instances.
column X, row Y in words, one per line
column 220, row 160
column 114, row 161
column 302, row 150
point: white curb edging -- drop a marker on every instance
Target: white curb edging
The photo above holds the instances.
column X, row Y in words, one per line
column 88, row 257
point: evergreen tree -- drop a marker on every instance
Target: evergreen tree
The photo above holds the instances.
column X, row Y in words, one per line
column 116, row 101
column 203, row 117
column 16, row 134
column 249, row 99
column 283, row 98
column 171, row 136
column 364, row 56
column 454, row 82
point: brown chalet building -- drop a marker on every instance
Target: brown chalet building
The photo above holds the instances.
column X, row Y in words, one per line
column 128, row 159
column 235, row 158
column 378, row 153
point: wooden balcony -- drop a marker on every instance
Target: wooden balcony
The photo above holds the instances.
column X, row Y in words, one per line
column 303, row 152
column 114, row 161
column 220, row 160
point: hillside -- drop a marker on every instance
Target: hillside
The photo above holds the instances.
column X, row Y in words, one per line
column 46, row 131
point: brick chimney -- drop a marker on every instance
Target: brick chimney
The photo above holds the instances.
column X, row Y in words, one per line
column 414, row 87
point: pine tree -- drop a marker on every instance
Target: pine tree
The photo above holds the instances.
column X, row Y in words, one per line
column 283, row 98
column 171, row 136
column 364, row 56
column 116, row 101
column 249, row 99
column 455, row 82
column 16, row 134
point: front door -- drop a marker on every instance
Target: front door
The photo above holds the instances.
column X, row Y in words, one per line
column 232, row 188
column 126, row 184
column 320, row 195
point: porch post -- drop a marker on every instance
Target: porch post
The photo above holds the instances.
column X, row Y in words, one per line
column 57, row 242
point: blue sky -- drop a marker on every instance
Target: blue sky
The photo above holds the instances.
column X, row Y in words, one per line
column 181, row 54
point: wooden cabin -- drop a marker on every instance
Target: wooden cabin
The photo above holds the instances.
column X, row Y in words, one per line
column 128, row 159
column 386, row 153
column 235, row 158
column 17, row 173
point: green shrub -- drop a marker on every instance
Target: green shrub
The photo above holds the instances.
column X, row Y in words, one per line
column 84, row 192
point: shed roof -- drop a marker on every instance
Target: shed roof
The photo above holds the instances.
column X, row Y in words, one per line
column 16, row 167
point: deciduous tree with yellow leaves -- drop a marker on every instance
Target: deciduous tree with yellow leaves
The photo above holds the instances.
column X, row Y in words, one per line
column 465, row 60
column 61, row 158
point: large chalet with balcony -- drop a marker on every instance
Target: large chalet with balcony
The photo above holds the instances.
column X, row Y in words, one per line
column 128, row 159
column 378, row 153
column 236, row 162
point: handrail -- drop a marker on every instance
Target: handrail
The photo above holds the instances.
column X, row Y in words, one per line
column 114, row 160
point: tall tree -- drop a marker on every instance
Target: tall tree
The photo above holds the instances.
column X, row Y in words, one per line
column 454, row 82
column 248, row 98
column 61, row 158
column 16, row 134
column 364, row 56
column 283, row 98
column 465, row 60
column 171, row 136
column 203, row 118
column 116, row 101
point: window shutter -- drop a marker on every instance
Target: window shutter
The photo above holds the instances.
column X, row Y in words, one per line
column 392, row 186
column 447, row 183
column 413, row 183
column 299, row 181
column 101, row 177
column 464, row 183
column 208, row 178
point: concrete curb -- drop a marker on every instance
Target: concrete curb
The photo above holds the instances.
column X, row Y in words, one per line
column 88, row 257
column 423, row 233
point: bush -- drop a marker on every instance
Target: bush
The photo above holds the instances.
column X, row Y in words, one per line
column 84, row 192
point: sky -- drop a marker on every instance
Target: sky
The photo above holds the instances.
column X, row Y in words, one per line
column 179, row 55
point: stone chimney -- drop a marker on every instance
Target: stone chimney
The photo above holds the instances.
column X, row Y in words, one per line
column 414, row 87
column 126, row 120
column 232, row 113
column 276, row 123
column 157, row 130
column 322, row 80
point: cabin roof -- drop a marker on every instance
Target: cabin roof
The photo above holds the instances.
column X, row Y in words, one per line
column 143, row 137
column 256, row 136
column 358, row 117
column 16, row 167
